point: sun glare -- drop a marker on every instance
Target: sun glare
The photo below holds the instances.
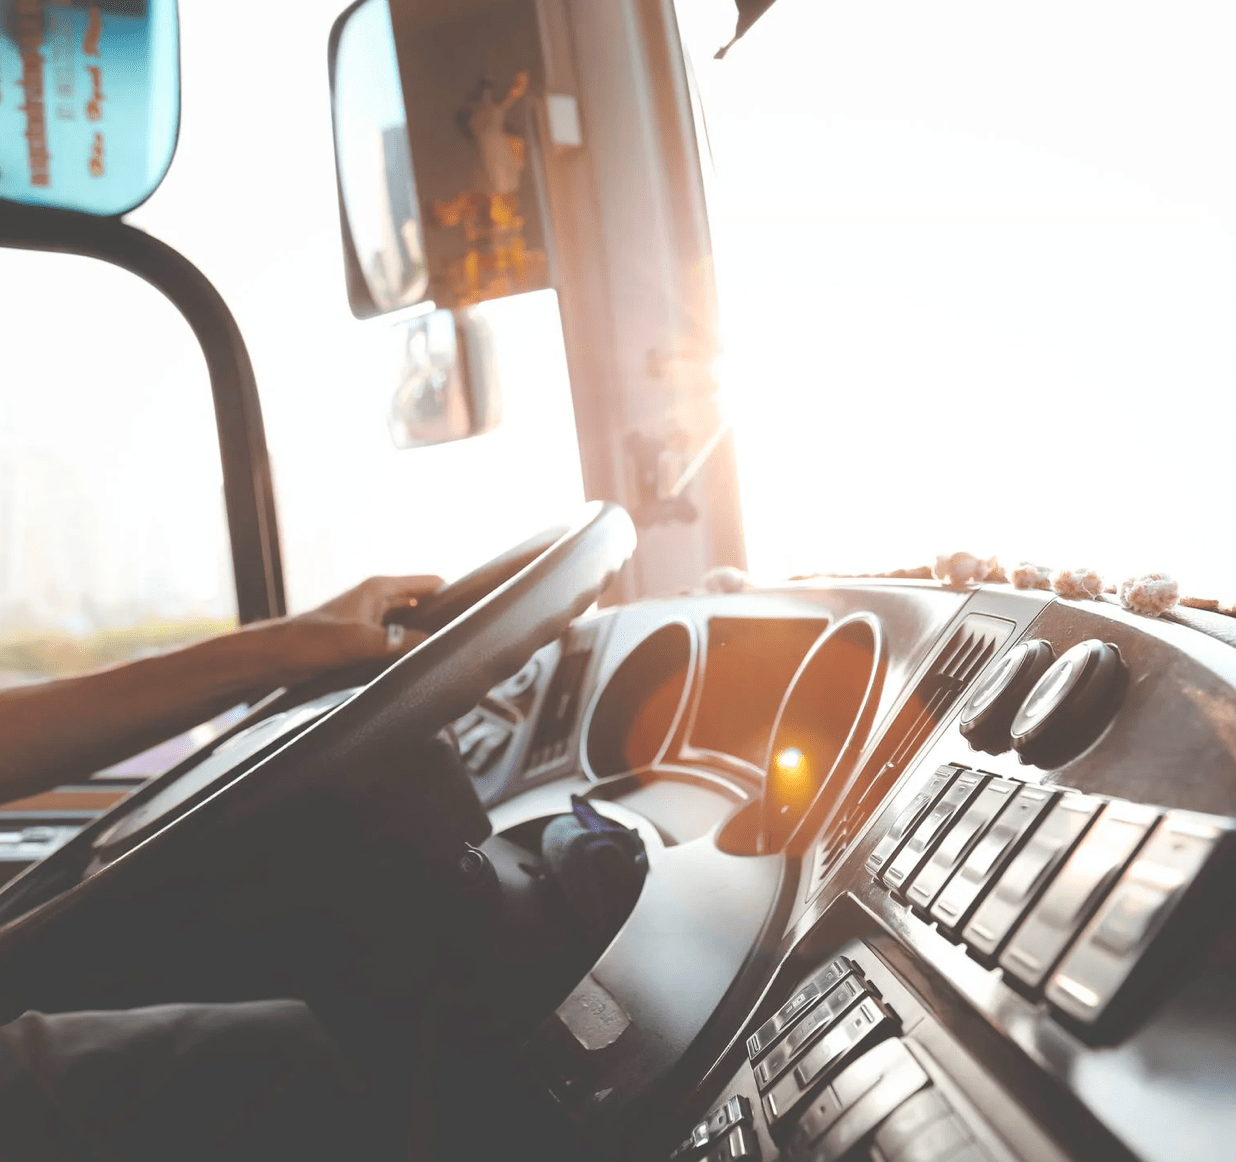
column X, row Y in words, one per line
column 953, row 246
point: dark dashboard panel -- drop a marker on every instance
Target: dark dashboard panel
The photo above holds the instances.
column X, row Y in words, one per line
column 1095, row 930
column 956, row 951
column 1047, row 954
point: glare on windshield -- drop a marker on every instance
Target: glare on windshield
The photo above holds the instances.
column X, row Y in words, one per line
column 978, row 271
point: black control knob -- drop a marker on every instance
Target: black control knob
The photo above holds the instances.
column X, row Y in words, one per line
column 1070, row 705
column 987, row 718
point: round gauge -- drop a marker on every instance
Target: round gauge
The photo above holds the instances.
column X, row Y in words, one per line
column 987, row 717
column 635, row 714
column 1070, row 705
column 823, row 723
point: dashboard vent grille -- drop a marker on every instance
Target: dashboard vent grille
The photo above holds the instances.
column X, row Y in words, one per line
column 958, row 664
column 971, row 647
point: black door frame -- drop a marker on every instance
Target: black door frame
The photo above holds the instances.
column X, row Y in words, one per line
column 257, row 564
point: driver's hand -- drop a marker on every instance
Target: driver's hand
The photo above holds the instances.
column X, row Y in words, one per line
column 349, row 628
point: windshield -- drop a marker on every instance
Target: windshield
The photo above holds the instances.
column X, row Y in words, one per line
column 978, row 269
column 113, row 537
column 350, row 502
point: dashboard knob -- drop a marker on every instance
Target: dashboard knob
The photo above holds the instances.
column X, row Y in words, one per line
column 1070, row 705
column 987, row 718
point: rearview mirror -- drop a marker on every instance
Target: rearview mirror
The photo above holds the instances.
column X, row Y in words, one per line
column 448, row 387
column 436, row 151
column 89, row 101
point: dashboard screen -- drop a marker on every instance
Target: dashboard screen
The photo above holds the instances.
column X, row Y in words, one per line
column 748, row 666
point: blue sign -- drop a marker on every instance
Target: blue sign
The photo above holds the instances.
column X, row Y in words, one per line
column 89, row 101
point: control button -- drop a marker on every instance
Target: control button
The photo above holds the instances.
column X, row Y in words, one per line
column 740, row 1145
column 824, row 1110
column 825, row 979
column 1070, row 705
column 945, row 1140
column 907, row 1123
column 1028, row 873
column 849, row 1085
column 824, row 1014
column 970, row 1153
column 734, row 1111
column 989, row 856
column 871, row 1109
column 467, row 722
column 927, row 834
column 988, row 714
column 1078, row 887
column 857, row 1078
column 910, row 818
column 857, row 1029
column 1105, row 954
column 960, row 840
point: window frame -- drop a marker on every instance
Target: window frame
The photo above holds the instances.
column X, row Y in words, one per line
column 257, row 564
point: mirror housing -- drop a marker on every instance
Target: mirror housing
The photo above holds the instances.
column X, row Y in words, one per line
column 90, row 105
column 436, row 150
column 448, row 384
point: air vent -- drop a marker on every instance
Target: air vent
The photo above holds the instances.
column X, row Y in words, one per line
column 975, row 643
column 957, row 665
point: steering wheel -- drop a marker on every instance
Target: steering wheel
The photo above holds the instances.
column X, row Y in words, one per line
column 259, row 837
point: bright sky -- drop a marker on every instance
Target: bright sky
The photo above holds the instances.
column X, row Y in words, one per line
column 977, row 263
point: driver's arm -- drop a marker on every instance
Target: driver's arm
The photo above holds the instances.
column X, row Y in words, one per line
column 70, row 727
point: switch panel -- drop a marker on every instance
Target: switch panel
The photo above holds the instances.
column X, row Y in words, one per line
column 908, row 1122
column 1028, row 873
column 910, row 818
column 870, row 1110
column 923, row 839
column 960, row 840
column 739, row 1145
column 802, row 1000
column 946, row 1140
column 849, row 992
column 988, row 857
column 734, row 1111
column 859, row 1028
column 1096, row 967
column 1078, row 887
column 851, row 1084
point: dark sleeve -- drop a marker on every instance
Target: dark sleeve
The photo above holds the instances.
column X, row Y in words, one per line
column 194, row 1082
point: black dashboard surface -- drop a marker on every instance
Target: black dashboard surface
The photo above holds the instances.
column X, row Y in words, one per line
column 737, row 917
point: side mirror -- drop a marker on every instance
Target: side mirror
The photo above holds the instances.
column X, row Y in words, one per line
column 89, row 102
column 448, row 386
column 436, row 149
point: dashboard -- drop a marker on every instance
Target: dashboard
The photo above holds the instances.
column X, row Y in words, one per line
column 932, row 874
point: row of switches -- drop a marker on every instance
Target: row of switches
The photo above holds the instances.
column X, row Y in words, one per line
column 834, row 1079
column 1017, row 871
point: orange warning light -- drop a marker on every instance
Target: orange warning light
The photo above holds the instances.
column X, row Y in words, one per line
column 790, row 765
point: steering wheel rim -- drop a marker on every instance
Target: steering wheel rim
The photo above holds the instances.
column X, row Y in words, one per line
column 412, row 699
